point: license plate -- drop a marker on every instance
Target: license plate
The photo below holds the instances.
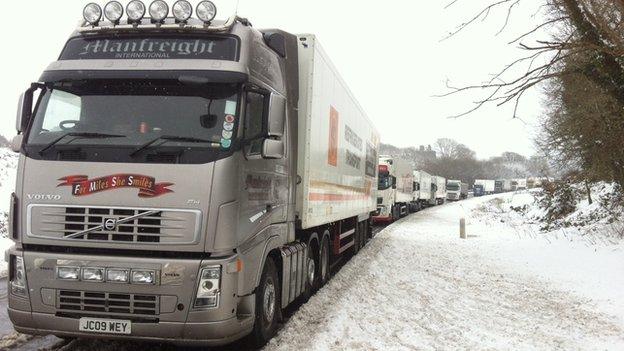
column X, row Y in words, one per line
column 105, row 326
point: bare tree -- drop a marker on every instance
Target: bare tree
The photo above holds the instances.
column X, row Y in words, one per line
column 591, row 28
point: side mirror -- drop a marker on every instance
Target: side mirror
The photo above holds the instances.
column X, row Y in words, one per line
column 273, row 149
column 24, row 108
column 20, row 114
column 277, row 116
column 16, row 142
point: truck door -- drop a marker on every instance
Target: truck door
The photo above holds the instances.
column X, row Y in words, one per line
column 264, row 189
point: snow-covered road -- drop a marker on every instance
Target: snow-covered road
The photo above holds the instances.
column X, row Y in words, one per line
column 417, row 286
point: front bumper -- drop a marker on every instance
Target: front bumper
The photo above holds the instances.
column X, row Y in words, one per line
column 191, row 334
column 175, row 320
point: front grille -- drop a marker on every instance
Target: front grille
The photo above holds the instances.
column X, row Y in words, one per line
column 144, row 229
column 103, row 304
column 132, row 225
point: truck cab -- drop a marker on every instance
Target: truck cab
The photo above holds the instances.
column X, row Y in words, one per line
column 387, row 208
column 456, row 190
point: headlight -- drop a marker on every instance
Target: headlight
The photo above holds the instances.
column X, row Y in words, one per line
column 68, row 273
column 18, row 277
column 158, row 10
column 182, row 10
column 135, row 11
column 117, row 275
column 208, row 288
column 113, row 11
column 92, row 13
column 206, row 11
column 93, row 274
column 143, row 277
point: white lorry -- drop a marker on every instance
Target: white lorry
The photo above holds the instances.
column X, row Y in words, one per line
column 424, row 194
column 183, row 180
column 440, row 190
column 488, row 185
column 395, row 193
column 456, row 190
column 519, row 184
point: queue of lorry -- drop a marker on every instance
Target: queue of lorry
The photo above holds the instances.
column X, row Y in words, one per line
column 184, row 179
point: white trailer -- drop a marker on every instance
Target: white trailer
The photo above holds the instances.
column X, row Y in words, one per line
column 440, row 194
column 423, row 193
column 489, row 185
column 337, row 151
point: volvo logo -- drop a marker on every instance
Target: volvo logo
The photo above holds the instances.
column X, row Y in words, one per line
column 49, row 197
column 110, row 224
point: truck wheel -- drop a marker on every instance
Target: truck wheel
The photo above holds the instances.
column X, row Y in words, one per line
column 312, row 273
column 324, row 260
column 267, row 305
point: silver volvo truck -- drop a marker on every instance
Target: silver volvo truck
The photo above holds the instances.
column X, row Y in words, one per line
column 183, row 179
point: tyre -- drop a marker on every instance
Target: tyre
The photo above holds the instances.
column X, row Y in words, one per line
column 324, row 260
column 267, row 305
column 312, row 272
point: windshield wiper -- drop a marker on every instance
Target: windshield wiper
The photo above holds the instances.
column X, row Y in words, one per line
column 167, row 138
column 78, row 135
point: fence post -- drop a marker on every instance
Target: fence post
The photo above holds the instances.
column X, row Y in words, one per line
column 462, row 228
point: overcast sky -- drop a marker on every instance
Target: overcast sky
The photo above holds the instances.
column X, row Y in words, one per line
column 390, row 53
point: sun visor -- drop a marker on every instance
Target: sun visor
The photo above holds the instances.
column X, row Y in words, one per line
column 205, row 77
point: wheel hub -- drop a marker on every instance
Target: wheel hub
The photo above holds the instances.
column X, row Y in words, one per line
column 269, row 300
column 311, row 271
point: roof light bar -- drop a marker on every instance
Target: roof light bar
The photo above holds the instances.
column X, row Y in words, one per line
column 92, row 13
column 182, row 10
column 136, row 11
column 206, row 11
column 158, row 10
column 113, row 11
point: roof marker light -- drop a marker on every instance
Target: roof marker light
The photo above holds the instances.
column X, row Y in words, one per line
column 113, row 11
column 135, row 11
column 158, row 11
column 206, row 11
column 182, row 10
column 92, row 13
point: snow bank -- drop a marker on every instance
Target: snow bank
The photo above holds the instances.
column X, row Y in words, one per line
column 8, row 168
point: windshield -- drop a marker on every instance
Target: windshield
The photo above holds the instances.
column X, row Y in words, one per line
column 136, row 112
column 452, row 187
column 384, row 181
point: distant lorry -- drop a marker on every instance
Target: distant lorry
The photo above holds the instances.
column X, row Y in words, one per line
column 502, row 186
column 519, row 184
column 478, row 190
column 184, row 180
column 424, row 193
column 487, row 184
column 395, row 193
column 440, row 190
column 456, row 190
